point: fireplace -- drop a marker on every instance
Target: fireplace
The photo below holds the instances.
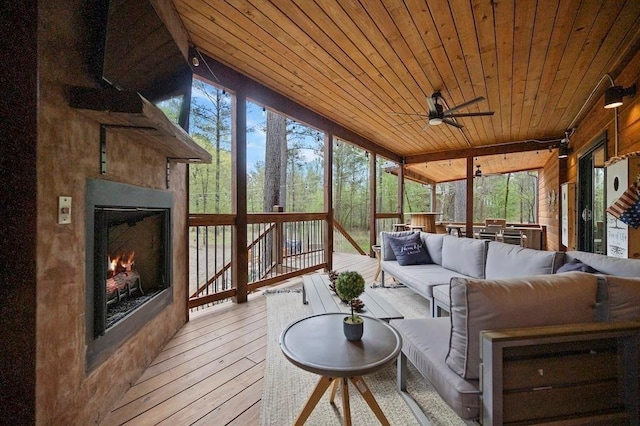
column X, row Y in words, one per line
column 128, row 262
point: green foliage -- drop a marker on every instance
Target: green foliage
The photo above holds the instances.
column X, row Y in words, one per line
column 349, row 286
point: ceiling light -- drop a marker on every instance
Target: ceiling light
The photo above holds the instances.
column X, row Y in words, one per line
column 614, row 94
column 563, row 148
column 435, row 121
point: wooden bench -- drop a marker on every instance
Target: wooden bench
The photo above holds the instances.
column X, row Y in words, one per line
column 316, row 291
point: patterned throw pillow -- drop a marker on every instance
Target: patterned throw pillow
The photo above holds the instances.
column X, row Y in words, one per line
column 409, row 250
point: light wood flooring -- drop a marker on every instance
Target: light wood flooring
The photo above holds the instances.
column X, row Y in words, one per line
column 211, row 372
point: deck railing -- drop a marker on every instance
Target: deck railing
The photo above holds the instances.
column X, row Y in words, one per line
column 280, row 246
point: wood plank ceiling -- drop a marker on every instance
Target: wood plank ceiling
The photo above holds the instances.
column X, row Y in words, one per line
column 360, row 63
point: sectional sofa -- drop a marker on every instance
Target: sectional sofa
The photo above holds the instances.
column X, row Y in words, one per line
column 493, row 289
column 453, row 257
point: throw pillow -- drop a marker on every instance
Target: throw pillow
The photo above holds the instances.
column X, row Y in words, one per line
column 409, row 250
column 576, row 265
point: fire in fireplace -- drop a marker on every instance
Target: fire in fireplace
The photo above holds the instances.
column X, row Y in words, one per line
column 128, row 262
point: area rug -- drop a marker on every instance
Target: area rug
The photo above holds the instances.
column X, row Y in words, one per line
column 287, row 387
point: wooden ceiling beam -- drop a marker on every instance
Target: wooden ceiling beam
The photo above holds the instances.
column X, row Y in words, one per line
column 222, row 75
column 507, row 148
column 169, row 15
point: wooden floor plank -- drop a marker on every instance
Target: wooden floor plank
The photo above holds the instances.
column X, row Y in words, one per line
column 212, row 370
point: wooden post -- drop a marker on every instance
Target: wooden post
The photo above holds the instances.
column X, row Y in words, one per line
column 278, row 246
column 373, row 207
column 401, row 191
column 469, row 218
column 240, row 256
column 328, row 199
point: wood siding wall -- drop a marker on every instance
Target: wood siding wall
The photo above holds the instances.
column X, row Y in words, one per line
column 598, row 120
column 68, row 154
column 549, row 212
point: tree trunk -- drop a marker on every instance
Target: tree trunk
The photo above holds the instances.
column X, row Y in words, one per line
column 460, row 201
column 276, row 137
column 506, row 196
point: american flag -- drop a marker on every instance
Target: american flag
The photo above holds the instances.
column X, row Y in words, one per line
column 627, row 207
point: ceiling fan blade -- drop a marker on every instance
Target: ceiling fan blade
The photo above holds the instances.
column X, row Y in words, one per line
column 466, row 104
column 452, row 123
column 469, row 114
column 409, row 122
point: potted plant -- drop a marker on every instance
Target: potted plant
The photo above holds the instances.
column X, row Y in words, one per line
column 349, row 286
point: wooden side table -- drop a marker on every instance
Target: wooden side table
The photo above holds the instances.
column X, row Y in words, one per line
column 317, row 344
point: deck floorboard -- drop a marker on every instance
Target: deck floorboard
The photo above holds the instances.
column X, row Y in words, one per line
column 213, row 368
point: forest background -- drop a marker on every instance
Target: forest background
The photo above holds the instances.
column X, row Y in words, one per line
column 285, row 167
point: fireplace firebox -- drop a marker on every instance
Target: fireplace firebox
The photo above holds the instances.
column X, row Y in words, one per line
column 128, row 262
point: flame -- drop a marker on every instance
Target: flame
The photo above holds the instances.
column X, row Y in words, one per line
column 122, row 262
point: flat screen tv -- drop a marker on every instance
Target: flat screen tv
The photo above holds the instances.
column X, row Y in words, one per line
column 138, row 52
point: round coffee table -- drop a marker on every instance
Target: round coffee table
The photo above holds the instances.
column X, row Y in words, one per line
column 317, row 344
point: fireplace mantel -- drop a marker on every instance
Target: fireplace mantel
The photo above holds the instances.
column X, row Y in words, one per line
column 129, row 111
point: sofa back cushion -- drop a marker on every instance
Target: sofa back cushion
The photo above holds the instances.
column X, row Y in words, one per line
column 386, row 252
column 623, row 298
column 464, row 255
column 540, row 300
column 510, row 261
column 607, row 264
column 433, row 244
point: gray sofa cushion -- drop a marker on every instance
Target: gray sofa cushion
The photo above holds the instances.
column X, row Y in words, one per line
column 540, row 300
column 386, row 252
column 433, row 243
column 420, row 278
column 623, row 298
column 607, row 264
column 510, row 261
column 464, row 255
column 441, row 294
column 425, row 343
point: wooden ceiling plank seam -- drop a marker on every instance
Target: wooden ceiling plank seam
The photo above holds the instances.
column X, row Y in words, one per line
column 320, row 74
column 434, row 42
column 384, row 51
column 567, row 74
column 541, row 41
column 439, row 137
column 369, row 43
column 411, row 32
column 372, row 73
column 328, row 110
column 524, row 20
column 560, row 35
column 357, row 86
column 462, row 12
column 504, row 23
column 485, row 32
column 601, row 61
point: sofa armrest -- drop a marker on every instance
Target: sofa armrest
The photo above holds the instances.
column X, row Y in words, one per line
column 539, row 373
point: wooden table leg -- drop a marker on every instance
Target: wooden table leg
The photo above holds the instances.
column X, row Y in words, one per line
column 346, row 409
column 362, row 387
column 315, row 396
column 336, row 382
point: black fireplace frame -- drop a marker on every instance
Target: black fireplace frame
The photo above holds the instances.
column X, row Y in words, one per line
column 100, row 341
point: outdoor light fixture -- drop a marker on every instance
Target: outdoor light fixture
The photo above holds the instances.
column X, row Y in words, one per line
column 614, row 94
column 563, row 148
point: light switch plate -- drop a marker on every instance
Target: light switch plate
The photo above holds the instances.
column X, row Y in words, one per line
column 64, row 210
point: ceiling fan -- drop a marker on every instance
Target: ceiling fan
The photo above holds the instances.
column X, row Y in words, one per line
column 479, row 173
column 438, row 115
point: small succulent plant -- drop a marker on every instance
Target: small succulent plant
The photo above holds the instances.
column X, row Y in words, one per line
column 349, row 286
